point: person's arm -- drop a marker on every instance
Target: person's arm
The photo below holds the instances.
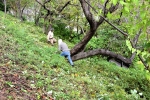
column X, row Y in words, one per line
column 48, row 36
column 59, row 47
column 51, row 34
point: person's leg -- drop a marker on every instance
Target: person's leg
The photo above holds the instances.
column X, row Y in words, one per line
column 54, row 40
column 48, row 42
column 63, row 54
column 51, row 40
column 69, row 58
column 67, row 53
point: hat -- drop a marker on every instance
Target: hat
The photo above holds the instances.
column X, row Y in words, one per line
column 52, row 29
column 59, row 41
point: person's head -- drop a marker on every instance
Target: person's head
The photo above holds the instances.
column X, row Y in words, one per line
column 52, row 29
column 59, row 41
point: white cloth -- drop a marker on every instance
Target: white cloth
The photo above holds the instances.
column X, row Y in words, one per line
column 50, row 35
column 59, row 41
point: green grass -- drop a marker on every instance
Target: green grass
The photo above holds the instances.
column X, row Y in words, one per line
column 25, row 55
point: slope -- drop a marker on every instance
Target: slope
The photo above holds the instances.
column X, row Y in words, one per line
column 31, row 69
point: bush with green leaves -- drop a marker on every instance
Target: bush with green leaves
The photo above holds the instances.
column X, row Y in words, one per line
column 108, row 38
column 23, row 49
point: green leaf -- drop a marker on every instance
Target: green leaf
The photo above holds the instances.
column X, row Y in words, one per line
column 136, row 2
column 122, row 3
column 115, row 2
column 109, row 15
column 148, row 76
column 128, row 45
column 126, row 9
column 99, row 12
column 143, row 14
column 133, row 50
column 138, row 52
column 144, row 53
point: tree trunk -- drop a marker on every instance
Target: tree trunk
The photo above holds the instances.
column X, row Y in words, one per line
column 81, row 45
column 5, row 5
column 103, row 52
column 19, row 12
column 93, row 25
column 76, row 51
column 37, row 15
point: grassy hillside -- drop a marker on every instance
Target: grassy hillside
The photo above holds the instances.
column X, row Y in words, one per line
column 32, row 69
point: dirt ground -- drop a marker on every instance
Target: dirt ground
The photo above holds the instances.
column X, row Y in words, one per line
column 14, row 86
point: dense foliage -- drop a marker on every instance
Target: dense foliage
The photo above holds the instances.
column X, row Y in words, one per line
column 30, row 68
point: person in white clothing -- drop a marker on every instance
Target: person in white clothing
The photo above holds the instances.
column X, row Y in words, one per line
column 50, row 37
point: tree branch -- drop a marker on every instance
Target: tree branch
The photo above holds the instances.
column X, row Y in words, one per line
column 144, row 63
column 135, row 40
column 103, row 52
column 87, row 12
column 125, row 34
column 105, row 10
column 64, row 7
column 134, row 43
column 111, row 9
column 43, row 5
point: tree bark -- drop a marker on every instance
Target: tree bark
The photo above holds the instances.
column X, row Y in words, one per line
column 134, row 43
column 80, row 46
column 37, row 15
column 76, row 51
column 60, row 10
column 93, row 25
column 18, row 3
column 5, row 5
column 103, row 52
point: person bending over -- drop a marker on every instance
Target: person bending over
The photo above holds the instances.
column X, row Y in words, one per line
column 65, row 51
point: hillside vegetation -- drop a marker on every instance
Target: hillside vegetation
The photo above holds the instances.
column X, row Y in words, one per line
column 32, row 69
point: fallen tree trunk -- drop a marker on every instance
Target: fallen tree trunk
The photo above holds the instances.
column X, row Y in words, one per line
column 103, row 52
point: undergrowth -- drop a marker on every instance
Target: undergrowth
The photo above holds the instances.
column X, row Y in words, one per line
column 24, row 51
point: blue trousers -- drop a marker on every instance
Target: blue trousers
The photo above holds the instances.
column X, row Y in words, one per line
column 67, row 54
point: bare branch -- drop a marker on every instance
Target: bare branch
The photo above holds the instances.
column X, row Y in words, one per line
column 105, row 4
column 135, row 40
column 64, row 7
column 144, row 63
column 43, row 5
column 134, row 43
column 125, row 34
column 121, row 14
column 91, row 6
column 46, row 1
